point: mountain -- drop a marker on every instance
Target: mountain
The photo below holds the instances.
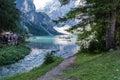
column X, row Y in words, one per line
column 37, row 23
column 55, row 10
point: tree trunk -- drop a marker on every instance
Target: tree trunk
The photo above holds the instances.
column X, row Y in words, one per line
column 110, row 31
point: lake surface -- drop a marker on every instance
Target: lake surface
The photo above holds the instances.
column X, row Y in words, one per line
column 63, row 46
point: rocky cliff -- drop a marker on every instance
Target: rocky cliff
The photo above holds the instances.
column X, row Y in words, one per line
column 37, row 23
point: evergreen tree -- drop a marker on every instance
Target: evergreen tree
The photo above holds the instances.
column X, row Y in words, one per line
column 9, row 15
column 103, row 17
column 63, row 2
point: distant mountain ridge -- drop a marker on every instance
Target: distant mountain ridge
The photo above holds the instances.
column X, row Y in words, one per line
column 55, row 10
column 37, row 23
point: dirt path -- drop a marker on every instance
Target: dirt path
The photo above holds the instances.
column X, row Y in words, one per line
column 58, row 70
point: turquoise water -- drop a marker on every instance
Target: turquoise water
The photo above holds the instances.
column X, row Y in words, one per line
column 44, row 39
column 51, row 42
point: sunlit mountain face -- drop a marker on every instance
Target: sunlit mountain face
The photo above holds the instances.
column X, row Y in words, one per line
column 54, row 8
column 40, row 4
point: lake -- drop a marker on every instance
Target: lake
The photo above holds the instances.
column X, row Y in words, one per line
column 63, row 46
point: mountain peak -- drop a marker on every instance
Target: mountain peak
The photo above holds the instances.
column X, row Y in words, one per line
column 38, row 23
column 25, row 5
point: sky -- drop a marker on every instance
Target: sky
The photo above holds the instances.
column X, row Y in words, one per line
column 40, row 4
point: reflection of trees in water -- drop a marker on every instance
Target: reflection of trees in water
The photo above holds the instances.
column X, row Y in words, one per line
column 49, row 45
column 64, row 47
column 41, row 45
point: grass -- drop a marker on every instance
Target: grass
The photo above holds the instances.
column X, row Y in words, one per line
column 95, row 67
column 11, row 54
column 37, row 72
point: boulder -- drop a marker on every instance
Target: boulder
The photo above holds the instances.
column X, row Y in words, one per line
column 9, row 38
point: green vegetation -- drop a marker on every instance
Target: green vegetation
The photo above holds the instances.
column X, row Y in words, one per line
column 49, row 58
column 95, row 67
column 9, row 15
column 63, row 2
column 99, row 31
column 36, row 72
column 103, row 19
column 10, row 18
column 11, row 54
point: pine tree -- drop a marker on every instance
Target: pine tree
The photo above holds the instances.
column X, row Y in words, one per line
column 63, row 2
column 9, row 15
column 103, row 16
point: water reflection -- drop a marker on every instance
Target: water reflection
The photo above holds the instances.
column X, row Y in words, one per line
column 50, row 42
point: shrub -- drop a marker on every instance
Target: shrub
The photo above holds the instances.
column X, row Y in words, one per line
column 94, row 47
column 12, row 54
column 21, row 40
column 49, row 58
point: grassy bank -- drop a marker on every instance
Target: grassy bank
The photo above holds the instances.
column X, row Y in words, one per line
column 11, row 54
column 95, row 67
column 37, row 72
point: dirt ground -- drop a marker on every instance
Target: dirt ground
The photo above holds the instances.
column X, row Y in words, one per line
column 58, row 70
